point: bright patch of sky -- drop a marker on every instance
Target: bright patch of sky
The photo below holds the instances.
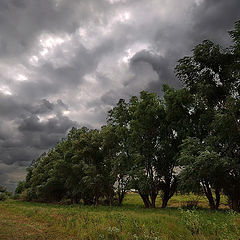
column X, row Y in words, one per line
column 5, row 90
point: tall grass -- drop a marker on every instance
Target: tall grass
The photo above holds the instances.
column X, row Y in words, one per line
column 131, row 221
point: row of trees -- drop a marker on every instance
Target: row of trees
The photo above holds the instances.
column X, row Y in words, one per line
column 189, row 140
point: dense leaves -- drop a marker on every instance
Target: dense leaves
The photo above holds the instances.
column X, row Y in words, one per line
column 211, row 160
column 4, row 194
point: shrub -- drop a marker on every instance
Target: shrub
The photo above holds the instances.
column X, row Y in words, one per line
column 191, row 204
column 24, row 196
column 191, row 220
column 66, row 201
column 3, row 196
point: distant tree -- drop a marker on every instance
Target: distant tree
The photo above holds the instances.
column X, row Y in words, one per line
column 3, row 189
column 3, row 193
column 20, row 187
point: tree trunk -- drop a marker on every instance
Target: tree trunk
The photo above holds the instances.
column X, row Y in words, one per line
column 96, row 200
column 165, row 197
column 235, row 199
column 211, row 203
column 146, row 201
column 211, row 200
column 168, row 191
column 164, row 201
column 235, row 205
column 217, row 194
column 208, row 193
column 153, row 200
column 121, row 195
column 234, row 196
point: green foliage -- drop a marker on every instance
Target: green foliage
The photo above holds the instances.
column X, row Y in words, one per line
column 148, row 142
column 19, row 189
column 3, row 189
column 202, row 166
column 192, row 221
column 74, row 169
column 4, row 194
column 211, row 75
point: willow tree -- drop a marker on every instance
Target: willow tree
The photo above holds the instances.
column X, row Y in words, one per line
column 212, row 76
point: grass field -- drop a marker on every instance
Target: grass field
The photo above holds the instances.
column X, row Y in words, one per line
column 24, row 220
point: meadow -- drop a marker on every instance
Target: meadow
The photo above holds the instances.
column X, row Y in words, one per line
column 28, row 220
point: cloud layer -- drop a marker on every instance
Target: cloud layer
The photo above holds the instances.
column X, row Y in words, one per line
column 65, row 63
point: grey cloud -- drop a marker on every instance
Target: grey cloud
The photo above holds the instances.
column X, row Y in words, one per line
column 44, row 107
column 214, row 18
column 211, row 20
column 22, row 21
column 163, row 66
column 25, row 137
column 151, row 58
column 10, row 174
column 58, row 124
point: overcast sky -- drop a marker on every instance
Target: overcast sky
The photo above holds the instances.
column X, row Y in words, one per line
column 65, row 63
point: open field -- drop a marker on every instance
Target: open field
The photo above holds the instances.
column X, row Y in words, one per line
column 24, row 220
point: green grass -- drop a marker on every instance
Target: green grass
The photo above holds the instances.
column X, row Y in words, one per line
column 24, row 220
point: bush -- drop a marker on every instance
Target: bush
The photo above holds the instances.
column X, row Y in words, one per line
column 191, row 204
column 191, row 220
column 16, row 196
column 24, row 196
column 66, row 201
column 3, row 196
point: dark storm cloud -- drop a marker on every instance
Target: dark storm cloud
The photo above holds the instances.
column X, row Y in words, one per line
column 22, row 20
column 58, row 124
column 163, row 66
column 214, row 18
column 211, row 20
column 89, row 54
column 26, row 132
column 148, row 57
